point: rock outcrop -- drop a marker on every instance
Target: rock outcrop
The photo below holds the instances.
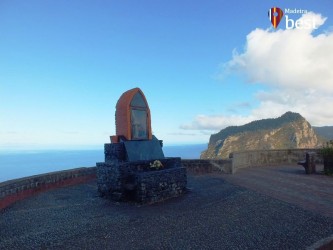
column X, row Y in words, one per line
column 290, row 130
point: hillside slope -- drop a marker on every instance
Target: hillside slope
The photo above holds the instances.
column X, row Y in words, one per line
column 290, row 130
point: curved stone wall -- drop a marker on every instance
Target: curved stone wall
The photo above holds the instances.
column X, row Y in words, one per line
column 18, row 189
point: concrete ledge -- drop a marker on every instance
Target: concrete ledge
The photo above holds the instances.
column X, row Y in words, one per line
column 18, row 189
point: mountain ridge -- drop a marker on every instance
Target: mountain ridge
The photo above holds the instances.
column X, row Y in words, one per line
column 290, row 130
column 257, row 124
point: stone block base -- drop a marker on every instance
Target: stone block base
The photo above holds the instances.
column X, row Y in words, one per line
column 138, row 182
column 159, row 185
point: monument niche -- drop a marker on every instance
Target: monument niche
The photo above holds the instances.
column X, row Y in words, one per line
column 135, row 167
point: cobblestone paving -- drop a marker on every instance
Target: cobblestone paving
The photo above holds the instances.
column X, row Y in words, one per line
column 214, row 214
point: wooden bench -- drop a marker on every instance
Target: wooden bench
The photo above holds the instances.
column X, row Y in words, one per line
column 309, row 163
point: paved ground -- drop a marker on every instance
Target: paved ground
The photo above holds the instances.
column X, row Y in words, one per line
column 290, row 184
column 215, row 214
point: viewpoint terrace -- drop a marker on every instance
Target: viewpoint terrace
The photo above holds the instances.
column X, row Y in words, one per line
column 272, row 206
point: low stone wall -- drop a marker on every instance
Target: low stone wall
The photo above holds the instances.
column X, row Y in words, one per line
column 14, row 190
column 204, row 166
column 18, row 189
column 256, row 158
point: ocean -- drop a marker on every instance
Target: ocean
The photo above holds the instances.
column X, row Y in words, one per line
column 15, row 165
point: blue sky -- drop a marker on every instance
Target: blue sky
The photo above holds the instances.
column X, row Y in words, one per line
column 64, row 64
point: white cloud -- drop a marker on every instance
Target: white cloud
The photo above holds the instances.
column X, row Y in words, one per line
column 287, row 58
column 215, row 122
column 295, row 64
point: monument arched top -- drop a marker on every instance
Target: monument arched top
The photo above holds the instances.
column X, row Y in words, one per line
column 133, row 120
column 126, row 98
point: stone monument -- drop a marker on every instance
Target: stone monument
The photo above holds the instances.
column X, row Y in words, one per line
column 135, row 168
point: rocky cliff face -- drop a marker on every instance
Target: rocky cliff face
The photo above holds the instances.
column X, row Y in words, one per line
column 290, row 130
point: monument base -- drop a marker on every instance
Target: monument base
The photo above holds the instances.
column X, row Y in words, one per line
column 141, row 181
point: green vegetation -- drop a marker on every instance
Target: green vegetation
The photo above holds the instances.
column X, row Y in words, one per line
column 327, row 153
column 327, row 150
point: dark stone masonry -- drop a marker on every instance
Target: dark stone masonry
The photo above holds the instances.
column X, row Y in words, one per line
column 139, row 181
column 309, row 163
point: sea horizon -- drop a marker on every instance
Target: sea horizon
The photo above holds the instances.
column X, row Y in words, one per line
column 23, row 163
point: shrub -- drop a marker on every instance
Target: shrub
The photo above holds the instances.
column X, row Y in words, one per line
column 327, row 150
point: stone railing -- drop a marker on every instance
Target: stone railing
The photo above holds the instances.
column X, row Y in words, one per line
column 204, row 166
column 17, row 189
column 257, row 158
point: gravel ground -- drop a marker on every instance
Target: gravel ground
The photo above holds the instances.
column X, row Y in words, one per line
column 214, row 214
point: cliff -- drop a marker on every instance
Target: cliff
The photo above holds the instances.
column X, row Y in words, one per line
column 290, row 130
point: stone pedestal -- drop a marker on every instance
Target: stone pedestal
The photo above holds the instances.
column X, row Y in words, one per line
column 139, row 181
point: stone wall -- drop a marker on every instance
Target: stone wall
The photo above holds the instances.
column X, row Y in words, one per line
column 13, row 190
column 159, row 185
column 108, row 177
column 257, row 158
column 18, row 189
column 204, row 166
